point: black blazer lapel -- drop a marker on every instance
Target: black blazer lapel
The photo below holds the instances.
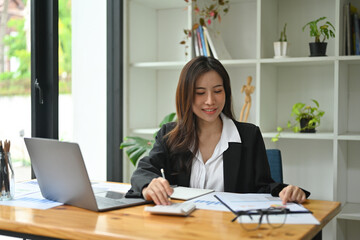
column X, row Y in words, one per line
column 231, row 162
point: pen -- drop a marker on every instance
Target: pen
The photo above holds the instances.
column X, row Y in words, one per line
column 163, row 176
column 162, row 173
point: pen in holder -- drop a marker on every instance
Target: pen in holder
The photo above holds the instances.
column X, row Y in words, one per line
column 7, row 181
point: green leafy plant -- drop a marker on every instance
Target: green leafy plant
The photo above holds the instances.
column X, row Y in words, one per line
column 283, row 37
column 326, row 30
column 302, row 111
column 138, row 146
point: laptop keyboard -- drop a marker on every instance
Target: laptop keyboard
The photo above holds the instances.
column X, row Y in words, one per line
column 104, row 202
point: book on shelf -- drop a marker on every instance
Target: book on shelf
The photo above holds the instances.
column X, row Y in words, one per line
column 344, row 36
column 195, row 42
column 348, row 29
column 356, row 34
column 206, row 43
column 351, row 30
column 202, row 40
column 210, row 43
column 201, row 52
column 216, row 44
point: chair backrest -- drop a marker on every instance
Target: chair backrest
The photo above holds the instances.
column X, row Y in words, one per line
column 274, row 158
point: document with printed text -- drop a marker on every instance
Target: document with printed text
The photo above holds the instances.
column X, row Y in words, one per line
column 245, row 202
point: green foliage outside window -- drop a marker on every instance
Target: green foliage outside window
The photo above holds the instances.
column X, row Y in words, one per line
column 65, row 39
column 18, row 81
column 17, row 49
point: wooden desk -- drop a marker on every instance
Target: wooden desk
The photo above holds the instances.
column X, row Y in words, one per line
column 134, row 223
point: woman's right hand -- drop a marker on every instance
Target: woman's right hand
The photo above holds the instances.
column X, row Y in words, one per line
column 159, row 191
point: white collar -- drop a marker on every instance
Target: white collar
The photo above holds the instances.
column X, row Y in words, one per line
column 229, row 132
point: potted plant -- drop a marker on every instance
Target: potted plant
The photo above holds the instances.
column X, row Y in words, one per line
column 318, row 48
column 307, row 118
column 138, row 146
column 280, row 46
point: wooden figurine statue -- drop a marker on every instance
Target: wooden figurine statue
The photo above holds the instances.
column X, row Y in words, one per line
column 248, row 90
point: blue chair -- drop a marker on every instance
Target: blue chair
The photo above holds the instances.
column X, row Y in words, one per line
column 274, row 158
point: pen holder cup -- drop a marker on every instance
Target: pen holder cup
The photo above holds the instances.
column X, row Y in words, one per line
column 7, row 181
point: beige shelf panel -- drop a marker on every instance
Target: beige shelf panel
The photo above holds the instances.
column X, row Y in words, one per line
column 350, row 211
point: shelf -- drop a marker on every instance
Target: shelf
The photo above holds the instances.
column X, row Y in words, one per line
column 349, row 136
column 291, row 135
column 180, row 65
column 239, row 62
column 162, row 4
column 299, row 61
column 351, row 211
column 350, row 59
column 302, row 61
column 154, row 63
column 159, row 65
column 285, row 135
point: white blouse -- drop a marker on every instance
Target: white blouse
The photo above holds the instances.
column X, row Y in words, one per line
column 210, row 175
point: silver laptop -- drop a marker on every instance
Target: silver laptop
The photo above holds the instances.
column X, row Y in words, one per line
column 61, row 174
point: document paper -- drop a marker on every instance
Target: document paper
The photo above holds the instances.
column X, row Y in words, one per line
column 27, row 194
column 252, row 201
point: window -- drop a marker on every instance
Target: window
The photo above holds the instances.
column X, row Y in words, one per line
column 15, row 72
column 82, row 69
column 70, row 87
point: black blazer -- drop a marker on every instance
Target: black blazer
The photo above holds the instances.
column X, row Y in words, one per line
column 246, row 168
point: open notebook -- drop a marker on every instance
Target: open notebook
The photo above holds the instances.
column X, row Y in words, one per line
column 185, row 193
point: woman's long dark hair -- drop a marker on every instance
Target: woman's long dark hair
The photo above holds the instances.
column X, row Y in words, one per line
column 184, row 136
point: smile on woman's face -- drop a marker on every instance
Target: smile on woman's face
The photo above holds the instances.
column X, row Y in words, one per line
column 209, row 99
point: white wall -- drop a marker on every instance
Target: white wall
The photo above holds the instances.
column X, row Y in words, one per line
column 89, row 83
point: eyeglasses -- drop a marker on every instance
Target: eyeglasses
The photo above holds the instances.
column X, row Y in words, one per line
column 252, row 219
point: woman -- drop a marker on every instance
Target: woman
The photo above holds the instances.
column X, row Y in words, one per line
column 206, row 147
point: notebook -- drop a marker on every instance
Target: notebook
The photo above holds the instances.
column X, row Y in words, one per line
column 62, row 176
column 186, row 193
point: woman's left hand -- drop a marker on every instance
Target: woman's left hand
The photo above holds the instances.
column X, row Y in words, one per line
column 292, row 194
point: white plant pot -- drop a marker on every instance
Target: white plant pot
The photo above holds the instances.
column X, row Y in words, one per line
column 280, row 49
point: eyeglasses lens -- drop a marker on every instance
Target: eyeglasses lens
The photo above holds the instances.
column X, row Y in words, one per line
column 251, row 221
column 276, row 217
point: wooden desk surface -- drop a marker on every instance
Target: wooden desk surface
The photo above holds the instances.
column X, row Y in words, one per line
column 134, row 223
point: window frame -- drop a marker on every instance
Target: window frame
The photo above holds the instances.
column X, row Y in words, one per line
column 44, row 69
column 45, row 78
column 114, row 89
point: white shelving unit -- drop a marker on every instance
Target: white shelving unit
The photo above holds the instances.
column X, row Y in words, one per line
column 325, row 163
